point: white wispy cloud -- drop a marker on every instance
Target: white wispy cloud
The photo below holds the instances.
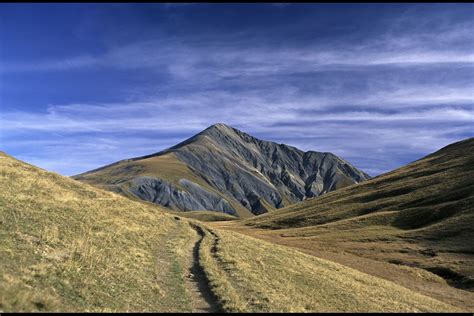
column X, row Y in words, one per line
column 79, row 62
column 197, row 110
column 289, row 118
column 375, row 101
column 222, row 57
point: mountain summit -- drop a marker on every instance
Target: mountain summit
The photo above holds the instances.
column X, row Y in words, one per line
column 224, row 169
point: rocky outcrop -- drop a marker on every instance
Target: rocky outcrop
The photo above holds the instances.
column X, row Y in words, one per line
column 194, row 198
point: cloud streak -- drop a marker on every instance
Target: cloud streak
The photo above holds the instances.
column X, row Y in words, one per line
column 230, row 57
column 402, row 90
column 283, row 119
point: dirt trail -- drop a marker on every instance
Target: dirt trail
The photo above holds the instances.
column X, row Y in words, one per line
column 203, row 300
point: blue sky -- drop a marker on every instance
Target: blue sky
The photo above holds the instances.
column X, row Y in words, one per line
column 381, row 85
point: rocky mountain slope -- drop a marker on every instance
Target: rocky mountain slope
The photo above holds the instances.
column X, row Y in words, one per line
column 226, row 170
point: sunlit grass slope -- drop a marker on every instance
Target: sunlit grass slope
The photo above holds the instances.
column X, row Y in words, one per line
column 420, row 216
column 66, row 246
column 251, row 275
column 435, row 194
column 205, row 216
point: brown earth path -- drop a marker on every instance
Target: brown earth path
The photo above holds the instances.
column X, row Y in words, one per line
column 202, row 298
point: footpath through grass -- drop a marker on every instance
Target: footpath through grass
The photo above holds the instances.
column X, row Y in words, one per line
column 66, row 246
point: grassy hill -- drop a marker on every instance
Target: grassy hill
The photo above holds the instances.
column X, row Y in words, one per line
column 418, row 218
column 251, row 275
column 70, row 247
column 67, row 246
column 433, row 190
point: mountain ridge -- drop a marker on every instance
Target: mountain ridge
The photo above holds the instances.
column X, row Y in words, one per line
column 244, row 171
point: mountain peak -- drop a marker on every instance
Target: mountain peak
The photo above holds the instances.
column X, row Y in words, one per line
column 250, row 174
column 221, row 127
column 218, row 130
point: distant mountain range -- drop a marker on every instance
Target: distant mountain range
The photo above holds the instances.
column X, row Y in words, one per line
column 226, row 170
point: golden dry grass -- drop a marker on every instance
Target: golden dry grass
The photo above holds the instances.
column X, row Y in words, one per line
column 428, row 203
column 251, row 275
column 424, row 193
column 412, row 226
column 205, row 216
column 66, row 246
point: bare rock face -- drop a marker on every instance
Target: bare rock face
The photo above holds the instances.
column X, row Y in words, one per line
column 256, row 174
column 250, row 169
column 194, row 198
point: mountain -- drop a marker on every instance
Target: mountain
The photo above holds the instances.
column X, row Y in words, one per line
column 435, row 191
column 226, row 170
column 69, row 247
column 420, row 216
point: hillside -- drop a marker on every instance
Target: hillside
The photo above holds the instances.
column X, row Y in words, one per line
column 252, row 275
column 70, row 247
column 419, row 216
column 223, row 169
column 67, row 246
column 433, row 196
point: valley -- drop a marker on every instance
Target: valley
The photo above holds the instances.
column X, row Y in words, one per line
column 412, row 226
column 236, row 158
column 390, row 243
